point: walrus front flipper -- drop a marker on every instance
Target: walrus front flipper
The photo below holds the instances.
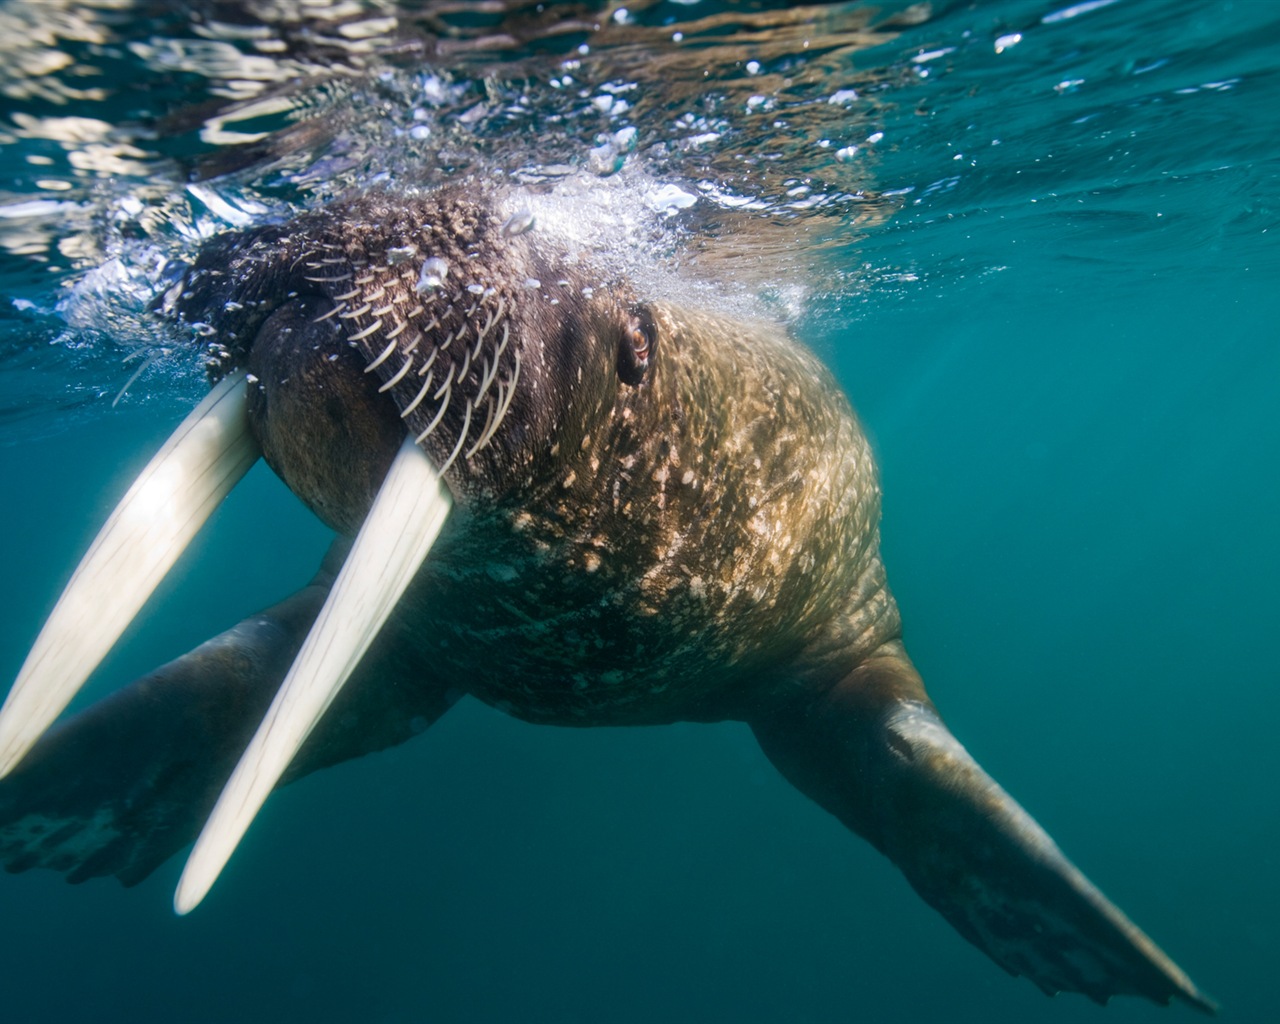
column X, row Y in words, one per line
column 120, row 787
column 874, row 752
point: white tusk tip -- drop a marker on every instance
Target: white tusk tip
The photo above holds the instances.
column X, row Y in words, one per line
column 9, row 760
column 407, row 514
column 189, row 894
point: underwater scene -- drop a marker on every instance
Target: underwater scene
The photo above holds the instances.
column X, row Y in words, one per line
column 1038, row 245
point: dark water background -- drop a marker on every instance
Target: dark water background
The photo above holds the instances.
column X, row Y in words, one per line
column 1052, row 290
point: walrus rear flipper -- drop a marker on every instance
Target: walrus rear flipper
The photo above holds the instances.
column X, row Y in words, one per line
column 120, row 787
column 874, row 752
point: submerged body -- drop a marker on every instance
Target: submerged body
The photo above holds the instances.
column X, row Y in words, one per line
column 668, row 549
column 673, row 566
column 658, row 515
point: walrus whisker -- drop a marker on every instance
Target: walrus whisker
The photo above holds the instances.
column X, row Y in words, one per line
column 333, row 312
column 422, row 393
column 347, row 296
column 486, row 378
column 377, row 294
column 364, row 279
column 386, row 352
column 396, row 331
column 448, row 380
column 483, row 331
column 397, row 376
column 435, row 422
column 506, row 403
column 373, row 328
column 132, row 377
column 326, row 280
column 352, row 314
column 466, row 365
column 491, row 423
column 462, row 439
column 484, row 433
column 430, row 360
column 151, row 526
column 503, row 404
column 494, row 314
column 406, row 517
column 384, row 310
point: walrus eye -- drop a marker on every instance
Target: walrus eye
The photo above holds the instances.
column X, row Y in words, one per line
column 637, row 348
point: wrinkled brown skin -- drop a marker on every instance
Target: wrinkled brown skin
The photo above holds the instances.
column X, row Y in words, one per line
column 687, row 536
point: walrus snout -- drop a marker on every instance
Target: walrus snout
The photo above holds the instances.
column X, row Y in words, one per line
column 322, row 425
column 490, row 345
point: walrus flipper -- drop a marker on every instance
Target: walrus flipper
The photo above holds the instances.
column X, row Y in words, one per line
column 875, row 753
column 120, row 787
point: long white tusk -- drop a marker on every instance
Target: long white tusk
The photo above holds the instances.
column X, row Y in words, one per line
column 153, row 524
column 406, row 517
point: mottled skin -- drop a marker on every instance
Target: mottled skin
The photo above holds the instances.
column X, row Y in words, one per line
column 672, row 567
column 678, row 548
column 660, row 515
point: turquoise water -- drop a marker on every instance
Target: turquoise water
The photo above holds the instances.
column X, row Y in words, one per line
column 1051, row 289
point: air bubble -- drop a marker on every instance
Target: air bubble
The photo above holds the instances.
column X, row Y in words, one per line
column 603, row 161
column 434, row 271
column 670, row 199
column 624, row 139
column 518, row 223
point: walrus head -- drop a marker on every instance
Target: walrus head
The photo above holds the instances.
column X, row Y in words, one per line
column 401, row 354
column 437, row 316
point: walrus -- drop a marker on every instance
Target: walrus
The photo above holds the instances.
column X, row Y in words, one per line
column 576, row 503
